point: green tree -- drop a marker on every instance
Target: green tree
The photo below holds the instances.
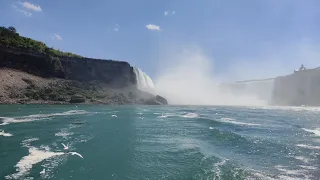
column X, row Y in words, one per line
column 10, row 38
column 12, row 29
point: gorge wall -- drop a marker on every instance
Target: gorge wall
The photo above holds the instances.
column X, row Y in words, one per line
column 300, row 88
column 117, row 74
column 78, row 79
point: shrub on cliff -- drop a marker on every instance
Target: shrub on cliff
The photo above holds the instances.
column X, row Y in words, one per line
column 10, row 38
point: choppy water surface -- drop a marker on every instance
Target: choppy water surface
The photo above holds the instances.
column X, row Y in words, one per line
column 151, row 142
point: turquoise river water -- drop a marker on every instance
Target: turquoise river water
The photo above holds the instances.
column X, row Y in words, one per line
column 158, row 142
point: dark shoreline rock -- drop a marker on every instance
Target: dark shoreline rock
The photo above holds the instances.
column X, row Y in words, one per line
column 162, row 100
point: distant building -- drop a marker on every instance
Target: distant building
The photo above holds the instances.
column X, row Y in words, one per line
column 302, row 68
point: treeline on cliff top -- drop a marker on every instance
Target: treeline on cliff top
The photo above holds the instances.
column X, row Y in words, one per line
column 10, row 38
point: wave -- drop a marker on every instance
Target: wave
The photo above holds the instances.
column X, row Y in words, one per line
column 165, row 115
column 289, row 173
column 190, row 115
column 63, row 133
column 308, row 167
column 37, row 117
column 303, row 159
column 184, row 115
column 316, row 131
column 232, row 121
column 2, row 133
column 35, row 156
column 26, row 142
column 308, row 146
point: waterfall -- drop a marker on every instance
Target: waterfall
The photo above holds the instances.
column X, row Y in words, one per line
column 144, row 82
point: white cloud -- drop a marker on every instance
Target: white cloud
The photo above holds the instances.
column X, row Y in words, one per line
column 33, row 7
column 166, row 13
column 27, row 14
column 116, row 29
column 153, row 27
column 57, row 37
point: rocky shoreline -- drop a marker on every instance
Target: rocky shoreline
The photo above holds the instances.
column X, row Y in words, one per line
column 18, row 87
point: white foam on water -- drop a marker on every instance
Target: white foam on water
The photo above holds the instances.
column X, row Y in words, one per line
column 217, row 167
column 63, row 133
column 211, row 128
column 308, row 167
column 283, row 177
column 35, row 156
column 303, row 159
column 308, row 146
column 2, row 133
column 45, row 147
column 113, row 115
column 286, row 173
column 26, row 142
column 227, row 119
column 165, row 115
column 37, row 117
column 315, row 131
column 232, row 121
column 259, row 175
column 141, row 109
column 290, row 108
column 190, row 115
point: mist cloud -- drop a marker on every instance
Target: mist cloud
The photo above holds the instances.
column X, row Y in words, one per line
column 187, row 78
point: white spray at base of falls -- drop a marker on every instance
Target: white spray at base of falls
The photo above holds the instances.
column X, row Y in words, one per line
column 144, row 82
column 187, row 77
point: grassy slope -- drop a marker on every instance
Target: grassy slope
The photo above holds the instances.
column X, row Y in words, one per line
column 9, row 38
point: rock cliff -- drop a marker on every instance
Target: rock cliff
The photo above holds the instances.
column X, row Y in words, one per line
column 116, row 74
column 39, row 78
column 32, row 72
column 300, row 88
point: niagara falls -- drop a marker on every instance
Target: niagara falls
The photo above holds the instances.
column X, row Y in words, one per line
column 159, row 90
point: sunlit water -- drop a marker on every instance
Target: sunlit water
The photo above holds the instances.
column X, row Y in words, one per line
column 152, row 142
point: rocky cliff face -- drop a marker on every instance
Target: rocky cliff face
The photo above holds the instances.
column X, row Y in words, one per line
column 114, row 73
column 300, row 88
column 40, row 78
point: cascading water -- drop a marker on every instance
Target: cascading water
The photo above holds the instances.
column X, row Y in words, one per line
column 144, row 82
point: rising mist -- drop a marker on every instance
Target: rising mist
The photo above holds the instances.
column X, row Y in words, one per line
column 188, row 78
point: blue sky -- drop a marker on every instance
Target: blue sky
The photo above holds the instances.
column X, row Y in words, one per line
column 263, row 35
